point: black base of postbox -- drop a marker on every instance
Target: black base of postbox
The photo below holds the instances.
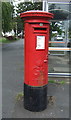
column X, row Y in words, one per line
column 35, row 98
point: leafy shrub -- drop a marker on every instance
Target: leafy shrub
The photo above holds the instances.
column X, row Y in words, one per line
column 11, row 37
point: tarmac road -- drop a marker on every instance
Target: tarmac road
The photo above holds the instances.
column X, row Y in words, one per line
column 12, row 84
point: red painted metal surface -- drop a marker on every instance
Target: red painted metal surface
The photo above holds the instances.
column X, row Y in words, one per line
column 36, row 47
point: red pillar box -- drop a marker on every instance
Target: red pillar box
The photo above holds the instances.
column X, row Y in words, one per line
column 36, row 59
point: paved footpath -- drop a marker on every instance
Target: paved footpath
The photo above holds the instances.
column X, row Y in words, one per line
column 12, row 75
column 12, row 80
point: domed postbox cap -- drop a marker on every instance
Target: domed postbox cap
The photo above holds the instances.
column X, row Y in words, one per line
column 36, row 13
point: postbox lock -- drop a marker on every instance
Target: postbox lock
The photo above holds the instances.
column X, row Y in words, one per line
column 45, row 61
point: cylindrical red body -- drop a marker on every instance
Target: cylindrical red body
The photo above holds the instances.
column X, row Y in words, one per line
column 36, row 48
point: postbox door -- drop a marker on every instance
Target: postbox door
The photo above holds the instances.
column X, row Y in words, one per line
column 40, row 69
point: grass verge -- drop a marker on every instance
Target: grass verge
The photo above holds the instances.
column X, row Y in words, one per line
column 56, row 82
column 5, row 40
